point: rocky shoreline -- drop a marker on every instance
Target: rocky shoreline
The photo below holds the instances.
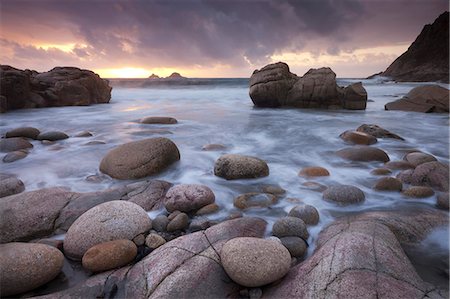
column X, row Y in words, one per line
column 181, row 253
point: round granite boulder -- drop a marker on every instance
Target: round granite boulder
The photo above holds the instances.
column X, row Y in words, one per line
column 10, row 185
column 417, row 158
column 233, row 167
column 109, row 255
column 52, row 136
column 388, row 184
column 314, row 171
column 188, row 197
column 254, row 200
column 26, row 266
column 355, row 137
column 290, row 226
column 15, row 155
column 344, row 194
column 26, row 132
column 14, row 144
column 139, row 159
column 297, row 246
column 363, row 154
column 113, row 220
column 307, row 213
column 418, row 192
column 432, row 174
column 254, row 262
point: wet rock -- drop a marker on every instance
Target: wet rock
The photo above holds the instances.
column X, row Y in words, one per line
column 179, row 222
column 26, row 266
column 418, row 192
column 84, row 134
column 200, row 223
column 363, row 153
column 112, row 220
column 360, row 257
column 417, row 158
column 154, row 241
column 139, row 159
column 14, row 156
column 52, row 136
column 427, row 99
column 208, row 209
column 254, row 200
column 30, row 215
column 10, row 185
column 344, row 194
column 377, row 131
column 388, row 184
column 150, row 194
column 290, row 227
column 14, row 144
column 95, row 142
column 159, row 120
column 431, row 174
column 160, row 223
column 254, row 262
column 314, row 171
column 26, row 132
column 152, row 132
column 109, row 255
column 314, row 186
column 443, row 201
column 399, row 165
column 273, row 189
column 255, row 293
column 213, row 147
column 296, row 246
column 381, row 171
column 188, row 197
column 233, row 167
column 307, row 213
column 355, row 137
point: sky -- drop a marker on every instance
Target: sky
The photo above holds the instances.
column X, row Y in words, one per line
column 210, row 38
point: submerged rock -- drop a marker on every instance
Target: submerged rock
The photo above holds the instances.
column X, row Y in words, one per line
column 158, row 120
column 139, row 159
column 233, row 167
column 274, row 85
column 26, row 266
column 213, row 147
column 428, row 98
column 14, row 156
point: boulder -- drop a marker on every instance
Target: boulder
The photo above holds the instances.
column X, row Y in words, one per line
column 52, row 136
column 418, row 192
column 158, row 120
column 26, row 266
column 314, row 171
column 296, row 246
column 290, row 227
column 344, row 194
column 443, row 201
column 254, row 200
column 188, row 197
column 83, row 134
column 154, row 241
column 233, row 167
column 208, row 209
column 139, row 159
column 401, row 165
column 274, row 85
column 179, row 222
column 30, row 215
column 307, row 213
column 150, row 194
column 428, row 98
column 10, row 185
column 14, row 156
column 377, row 131
column 417, row 158
column 61, row 86
column 254, row 262
column 427, row 58
column 213, row 147
column 355, row 137
column 361, row 257
column 14, row 144
column 109, row 221
column 381, row 171
column 109, row 255
column 388, row 184
column 160, row 223
column 432, row 174
column 26, row 132
column 363, row 153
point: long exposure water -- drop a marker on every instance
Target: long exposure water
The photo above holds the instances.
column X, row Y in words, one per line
column 220, row 111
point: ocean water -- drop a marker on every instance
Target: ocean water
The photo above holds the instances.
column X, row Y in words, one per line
column 220, row 111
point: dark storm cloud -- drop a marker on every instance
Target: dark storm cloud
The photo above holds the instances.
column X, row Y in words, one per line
column 164, row 33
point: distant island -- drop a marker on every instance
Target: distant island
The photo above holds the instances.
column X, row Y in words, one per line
column 173, row 76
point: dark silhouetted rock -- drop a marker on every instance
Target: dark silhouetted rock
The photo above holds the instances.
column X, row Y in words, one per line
column 427, row 59
column 274, row 86
column 428, row 98
column 61, row 86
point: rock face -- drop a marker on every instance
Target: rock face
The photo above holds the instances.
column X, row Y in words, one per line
column 361, row 257
column 274, row 86
column 139, row 159
column 428, row 98
column 427, row 59
column 254, row 262
column 61, row 86
column 233, row 167
column 26, row 266
column 109, row 221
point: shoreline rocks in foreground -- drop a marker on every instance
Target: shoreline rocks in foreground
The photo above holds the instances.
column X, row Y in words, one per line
column 275, row 86
column 61, row 86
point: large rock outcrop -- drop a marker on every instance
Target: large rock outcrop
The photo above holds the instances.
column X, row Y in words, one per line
column 61, row 86
column 427, row 98
column 274, row 86
column 427, row 58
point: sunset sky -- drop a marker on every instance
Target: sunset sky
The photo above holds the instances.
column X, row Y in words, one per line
column 356, row 38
